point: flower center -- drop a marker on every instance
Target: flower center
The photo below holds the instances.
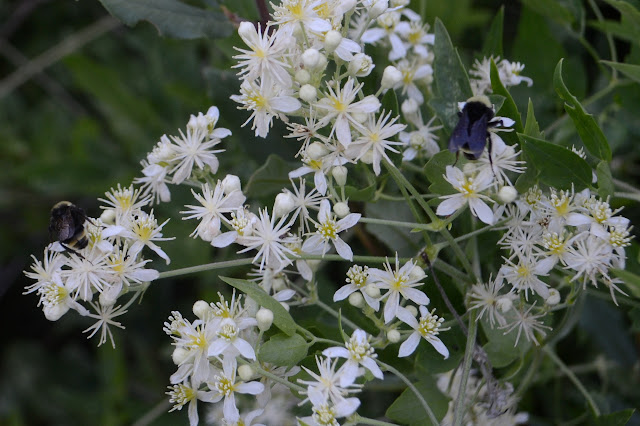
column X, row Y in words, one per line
column 328, row 229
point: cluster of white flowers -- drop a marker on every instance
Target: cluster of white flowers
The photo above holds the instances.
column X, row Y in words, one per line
column 509, row 73
column 577, row 235
column 110, row 266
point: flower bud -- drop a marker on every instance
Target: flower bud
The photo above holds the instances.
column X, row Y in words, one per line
column 231, row 183
column 378, row 8
column 311, row 58
column 201, row 309
column 393, row 336
column 504, row 304
column 417, row 273
column 372, row 291
column 308, row 93
column 245, row 372
column 284, row 204
column 251, row 306
column 409, row 106
column 341, row 209
column 302, row 76
column 339, row 173
column 361, row 65
column 367, row 157
column 278, row 283
column 554, row 297
column 317, row 150
column 391, row 77
column 412, row 309
column 332, row 40
column 246, row 30
column 285, row 306
column 507, row 194
column 360, row 117
column 356, row 299
column 264, row 318
column 179, row 355
column 108, row 217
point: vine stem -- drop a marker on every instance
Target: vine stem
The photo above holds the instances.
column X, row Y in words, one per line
column 205, row 267
column 411, row 386
column 414, row 225
column 458, row 414
column 574, row 379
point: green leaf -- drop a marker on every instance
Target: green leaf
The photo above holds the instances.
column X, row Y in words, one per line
column 357, row 194
column 509, row 108
column 619, row 418
column 435, row 170
column 390, row 103
column 283, row 350
column 527, row 179
column 551, row 9
column 501, row 347
column 268, row 179
column 408, row 410
column 451, row 80
column 171, row 18
column 631, row 71
column 493, row 41
column 605, row 181
column 559, row 167
column 531, row 127
column 586, row 125
column 281, row 318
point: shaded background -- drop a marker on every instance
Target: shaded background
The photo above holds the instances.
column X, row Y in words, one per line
column 83, row 99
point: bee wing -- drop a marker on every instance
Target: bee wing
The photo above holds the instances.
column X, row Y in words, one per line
column 477, row 138
column 460, row 135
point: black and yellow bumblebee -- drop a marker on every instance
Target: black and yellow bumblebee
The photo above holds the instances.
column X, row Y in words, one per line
column 66, row 226
column 471, row 134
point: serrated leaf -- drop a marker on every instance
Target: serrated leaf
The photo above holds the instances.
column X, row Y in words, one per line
column 408, row 410
column 585, row 124
column 171, row 18
column 493, row 41
column 619, row 418
column 605, row 181
column 531, row 127
column 631, row 71
column 509, row 108
column 268, row 179
column 451, row 80
column 283, row 350
column 435, row 170
column 281, row 318
column 558, row 167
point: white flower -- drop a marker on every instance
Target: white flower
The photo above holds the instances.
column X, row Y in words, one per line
column 270, row 239
column 388, row 23
column 527, row 322
column 487, row 298
column 417, row 37
column 207, row 123
column 188, row 393
column 374, row 140
column 469, row 188
column 228, row 341
column 399, row 282
column 213, row 205
column 326, row 413
column 523, row 276
column 292, row 13
column 195, row 339
column 357, row 280
column 510, row 73
column 125, row 203
column 266, row 56
column 327, row 230
column 340, row 105
column 326, row 386
column 144, row 230
column 225, row 385
column 264, row 101
column 422, row 142
column 87, row 274
column 503, row 159
column 105, row 316
column 46, row 271
column 589, row 257
column 194, row 148
column 427, row 328
column 154, row 182
column 412, row 72
column 56, row 300
column 358, row 352
column 126, row 269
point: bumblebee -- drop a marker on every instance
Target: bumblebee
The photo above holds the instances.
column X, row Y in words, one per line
column 471, row 134
column 66, row 226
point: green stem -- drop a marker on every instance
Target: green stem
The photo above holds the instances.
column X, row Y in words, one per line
column 458, row 415
column 612, row 45
column 206, row 267
column 273, row 377
column 413, row 225
column 411, row 386
column 626, row 186
column 359, row 420
column 627, row 195
column 574, row 379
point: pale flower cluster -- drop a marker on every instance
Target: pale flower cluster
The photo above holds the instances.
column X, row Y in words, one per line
column 112, row 265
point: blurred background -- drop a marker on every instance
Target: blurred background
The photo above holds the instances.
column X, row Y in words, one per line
column 84, row 98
